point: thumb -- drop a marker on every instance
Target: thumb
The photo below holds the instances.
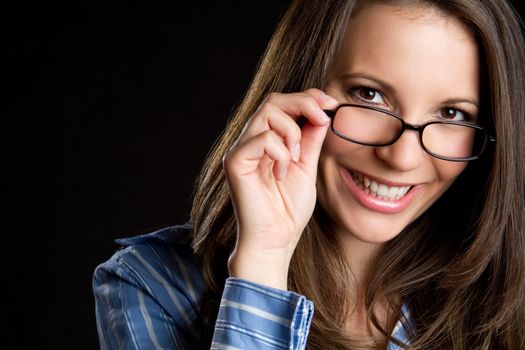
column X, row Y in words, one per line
column 312, row 138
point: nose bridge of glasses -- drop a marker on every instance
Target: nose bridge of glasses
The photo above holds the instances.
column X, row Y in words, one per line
column 403, row 125
column 411, row 141
column 404, row 152
column 415, row 127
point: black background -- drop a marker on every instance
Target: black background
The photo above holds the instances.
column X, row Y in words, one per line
column 109, row 109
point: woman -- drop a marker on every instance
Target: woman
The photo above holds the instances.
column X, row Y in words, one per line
column 362, row 175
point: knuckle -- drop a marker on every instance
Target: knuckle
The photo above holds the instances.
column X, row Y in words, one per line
column 269, row 136
column 265, row 109
column 311, row 103
column 313, row 91
column 271, row 97
column 281, row 147
column 295, row 133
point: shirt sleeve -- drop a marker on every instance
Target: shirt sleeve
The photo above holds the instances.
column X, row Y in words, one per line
column 147, row 297
column 252, row 316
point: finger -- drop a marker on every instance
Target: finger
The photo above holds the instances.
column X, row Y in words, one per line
column 311, row 145
column 277, row 110
column 324, row 100
column 308, row 104
column 312, row 136
column 245, row 159
column 273, row 118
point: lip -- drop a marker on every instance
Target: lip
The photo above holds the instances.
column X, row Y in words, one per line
column 380, row 205
column 386, row 182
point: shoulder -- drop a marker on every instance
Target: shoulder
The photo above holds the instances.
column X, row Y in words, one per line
column 165, row 254
column 158, row 267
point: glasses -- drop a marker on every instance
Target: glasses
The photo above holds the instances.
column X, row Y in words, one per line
column 456, row 141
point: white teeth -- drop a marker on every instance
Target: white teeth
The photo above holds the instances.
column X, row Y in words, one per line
column 380, row 191
column 392, row 192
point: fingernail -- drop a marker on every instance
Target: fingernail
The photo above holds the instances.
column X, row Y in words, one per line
column 330, row 100
column 324, row 118
column 296, row 152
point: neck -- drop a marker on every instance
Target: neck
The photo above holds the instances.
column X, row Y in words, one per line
column 361, row 257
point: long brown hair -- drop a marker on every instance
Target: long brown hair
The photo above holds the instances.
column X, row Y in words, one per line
column 460, row 267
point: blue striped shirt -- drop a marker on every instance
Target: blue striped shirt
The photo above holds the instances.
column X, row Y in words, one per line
column 148, row 294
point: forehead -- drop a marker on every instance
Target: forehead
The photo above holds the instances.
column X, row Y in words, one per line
column 410, row 43
column 415, row 23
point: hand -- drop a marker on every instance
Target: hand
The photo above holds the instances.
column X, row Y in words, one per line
column 271, row 171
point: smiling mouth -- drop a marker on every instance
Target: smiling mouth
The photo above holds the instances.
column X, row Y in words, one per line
column 379, row 190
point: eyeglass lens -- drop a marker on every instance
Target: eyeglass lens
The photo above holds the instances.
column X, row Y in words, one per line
column 375, row 128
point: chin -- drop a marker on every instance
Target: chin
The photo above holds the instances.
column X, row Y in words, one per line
column 365, row 227
column 351, row 220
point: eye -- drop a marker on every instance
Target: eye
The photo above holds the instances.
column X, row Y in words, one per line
column 368, row 95
column 455, row 114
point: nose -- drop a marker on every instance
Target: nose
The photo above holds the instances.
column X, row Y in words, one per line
column 403, row 155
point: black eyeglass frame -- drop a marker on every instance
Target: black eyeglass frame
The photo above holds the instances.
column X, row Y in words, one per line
column 407, row 126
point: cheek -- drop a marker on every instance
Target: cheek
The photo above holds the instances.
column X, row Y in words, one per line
column 449, row 171
column 335, row 146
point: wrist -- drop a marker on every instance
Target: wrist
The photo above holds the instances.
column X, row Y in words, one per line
column 266, row 269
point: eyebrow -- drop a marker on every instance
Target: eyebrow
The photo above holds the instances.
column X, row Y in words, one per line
column 384, row 85
column 454, row 101
column 389, row 88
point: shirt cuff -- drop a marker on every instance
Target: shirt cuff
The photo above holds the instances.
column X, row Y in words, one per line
column 253, row 316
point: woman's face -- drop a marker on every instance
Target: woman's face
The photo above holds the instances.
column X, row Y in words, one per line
column 420, row 64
